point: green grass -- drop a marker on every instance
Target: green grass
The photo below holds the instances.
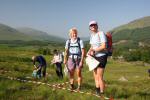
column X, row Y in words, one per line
column 18, row 62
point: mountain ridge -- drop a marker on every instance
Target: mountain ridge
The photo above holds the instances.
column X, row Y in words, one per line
column 137, row 23
column 38, row 34
column 28, row 34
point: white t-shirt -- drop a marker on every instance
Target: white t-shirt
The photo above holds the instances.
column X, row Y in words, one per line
column 57, row 58
column 96, row 40
column 74, row 50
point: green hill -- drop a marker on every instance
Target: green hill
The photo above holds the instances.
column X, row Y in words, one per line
column 25, row 34
column 39, row 35
column 138, row 23
column 133, row 33
column 8, row 33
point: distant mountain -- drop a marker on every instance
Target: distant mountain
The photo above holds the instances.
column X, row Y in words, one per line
column 133, row 33
column 31, row 31
column 39, row 35
column 9, row 33
column 25, row 34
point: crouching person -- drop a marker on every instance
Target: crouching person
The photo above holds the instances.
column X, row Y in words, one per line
column 39, row 67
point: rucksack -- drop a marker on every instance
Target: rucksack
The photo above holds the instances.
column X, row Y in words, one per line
column 109, row 44
column 69, row 46
column 109, row 49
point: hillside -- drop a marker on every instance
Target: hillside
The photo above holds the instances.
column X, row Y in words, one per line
column 133, row 33
column 138, row 23
column 25, row 34
column 38, row 35
column 8, row 33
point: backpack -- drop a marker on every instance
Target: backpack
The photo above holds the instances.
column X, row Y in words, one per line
column 69, row 46
column 109, row 49
column 109, row 44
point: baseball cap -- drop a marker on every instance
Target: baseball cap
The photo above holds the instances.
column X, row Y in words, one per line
column 92, row 22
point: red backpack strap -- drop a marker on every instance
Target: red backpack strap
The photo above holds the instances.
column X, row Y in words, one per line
column 109, row 40
column 109, row 43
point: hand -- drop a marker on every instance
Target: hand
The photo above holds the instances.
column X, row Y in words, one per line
column 65, row 62
column 91, row 52
column 37, row 70
column 35, row 66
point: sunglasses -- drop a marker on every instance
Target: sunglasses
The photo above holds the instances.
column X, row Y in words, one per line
column 93, row 25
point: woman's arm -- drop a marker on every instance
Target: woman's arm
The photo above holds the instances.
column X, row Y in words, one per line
column 100, row 48
column 65, row 56
column 39, row 67
column 83, row 55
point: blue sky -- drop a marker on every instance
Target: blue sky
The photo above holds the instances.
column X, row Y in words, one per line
column 58, row 16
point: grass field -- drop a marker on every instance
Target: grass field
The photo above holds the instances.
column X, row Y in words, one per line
column 124, row 80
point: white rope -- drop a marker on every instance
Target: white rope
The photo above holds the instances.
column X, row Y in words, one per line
column 57, row 86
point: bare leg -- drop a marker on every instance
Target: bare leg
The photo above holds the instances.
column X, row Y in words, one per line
column 96, row 78
column 72, row 79
column 79, row 76
column 100, row 72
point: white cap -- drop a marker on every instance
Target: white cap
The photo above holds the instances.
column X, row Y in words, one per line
column 92, row 22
